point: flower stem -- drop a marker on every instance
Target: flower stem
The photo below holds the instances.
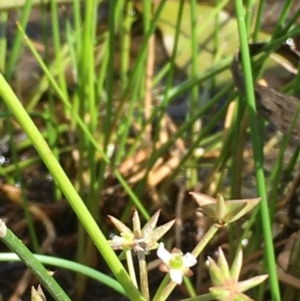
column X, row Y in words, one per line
column 204, row 297
column 131, row 267
column 16, row 245
column 143, row 274
column 161, row 288
column 204, row 241
column 166, row 292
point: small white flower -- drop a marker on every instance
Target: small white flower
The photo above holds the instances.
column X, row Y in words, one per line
column 175, row 263
column 139, row 239
column 123, row 242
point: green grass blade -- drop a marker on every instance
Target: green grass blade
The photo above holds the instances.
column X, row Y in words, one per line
column 72, row 266
column 35, row 266
column 265, row 219
column 67, row 188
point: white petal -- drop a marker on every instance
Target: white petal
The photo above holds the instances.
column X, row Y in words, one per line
column 189, row 260
column 176, row 276
column 118, row 240
column 163, row 254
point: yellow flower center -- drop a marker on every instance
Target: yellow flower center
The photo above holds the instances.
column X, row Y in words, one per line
column 176, row 262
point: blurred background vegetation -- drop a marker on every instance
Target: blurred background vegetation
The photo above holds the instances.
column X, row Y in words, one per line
column 151, row 83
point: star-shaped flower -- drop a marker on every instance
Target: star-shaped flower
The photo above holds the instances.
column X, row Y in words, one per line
column 175, row 263
column 226, row 286
column 224, row 212
column 139, row 239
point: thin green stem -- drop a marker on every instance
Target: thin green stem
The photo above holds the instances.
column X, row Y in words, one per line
column 282, row 18
column 3, row 40
column 57, row 46
column 161, row 288
column 82, row 125
column 31, row 262
column 143, row 274
column 125, row 43
column 130, row 266
column 164, row 290
column 204, row 297
column 176, row 92
column 191, row 174
column 7, row 5
column 71, row 266
column 139, row 59
column 258, row 20
column 258, row 159
column 190, row 287
column 15, row 51
column 67, row 188
column 205, row 240
column 24, row 201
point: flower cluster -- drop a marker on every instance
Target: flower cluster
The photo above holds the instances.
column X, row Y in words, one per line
column 225, row 280
column 139, row 239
